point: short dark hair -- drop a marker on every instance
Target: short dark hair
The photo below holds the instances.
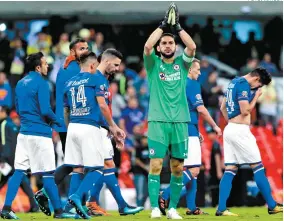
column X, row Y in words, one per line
column 112, row 52
column 86, row 56
column 76, row 41
column 167, row 34
column 34, row 60
column 262, row 73
column 100, row 58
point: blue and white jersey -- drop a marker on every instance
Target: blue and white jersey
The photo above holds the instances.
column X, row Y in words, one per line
column 238, row 90
column 80, row 96
column 194, row 99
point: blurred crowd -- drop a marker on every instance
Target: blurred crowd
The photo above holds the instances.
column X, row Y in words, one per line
column 130, row 89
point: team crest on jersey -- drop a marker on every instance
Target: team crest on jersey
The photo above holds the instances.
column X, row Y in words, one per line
column 102, row 87
column 176, row 67
column 198, row 97
column 244, row 93
column 162, row 76
column 152, row 151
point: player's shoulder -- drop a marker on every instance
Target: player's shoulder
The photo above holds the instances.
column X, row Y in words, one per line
column 193, row 83
column 240, row 82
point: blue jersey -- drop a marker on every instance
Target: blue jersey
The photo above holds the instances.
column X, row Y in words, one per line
column 238, row 90
column 194, row 99
column 63, row 76
column 80, row 96
column 33, row 105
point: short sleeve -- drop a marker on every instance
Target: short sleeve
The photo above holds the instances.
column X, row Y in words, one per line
column 193, row 92
column 243, row 91
column 149, row 61
column 99, row 84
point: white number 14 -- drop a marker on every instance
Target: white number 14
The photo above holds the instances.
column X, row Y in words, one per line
column 80, row 96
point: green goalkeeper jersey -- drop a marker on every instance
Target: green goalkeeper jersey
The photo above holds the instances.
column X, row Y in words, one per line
column 167, row 84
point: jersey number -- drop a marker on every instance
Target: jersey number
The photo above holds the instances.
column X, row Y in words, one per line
column 80, row 96
column 230, row 102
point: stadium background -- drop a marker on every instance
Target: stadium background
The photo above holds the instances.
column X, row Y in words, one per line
column 232, row 38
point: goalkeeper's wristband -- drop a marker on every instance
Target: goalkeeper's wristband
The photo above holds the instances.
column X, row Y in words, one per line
column 178, row 28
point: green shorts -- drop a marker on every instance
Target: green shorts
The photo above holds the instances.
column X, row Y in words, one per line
column 164, row 135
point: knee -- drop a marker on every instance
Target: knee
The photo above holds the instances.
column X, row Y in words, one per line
column 232, row 167
column 177, row 167
column 194, row 171
column 78, row 170
column 156, row 166
column 109, row 164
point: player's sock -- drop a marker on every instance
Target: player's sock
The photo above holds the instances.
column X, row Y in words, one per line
column 154, row 188
column 186, row 179
column 225, row 188
column 263, row 185
column 87, row 183
column 96, row 190
column 112, row 183
column 26, row 186
column 191, row 194
column 52, row 191
column 13, row 186
column 176, row 186
column 76, row 179
column 61, row 172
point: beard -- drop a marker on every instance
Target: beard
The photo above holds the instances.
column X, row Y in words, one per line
column 168, row 55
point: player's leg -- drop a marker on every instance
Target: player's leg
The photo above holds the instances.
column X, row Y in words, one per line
column 231, row 169
column 158, row 142
column 42, row 160
column 89, row 139
column 22, row 163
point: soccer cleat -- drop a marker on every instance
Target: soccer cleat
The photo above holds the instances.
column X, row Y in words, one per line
column 96, row 210
column 155, row 213
column 197, row 211
column 173, row 214
column 68, row 208
column 225, row 213
column 77, row 203
column 42, row 201
column 163, row 204
column 5, row 214
column 277, row 209
column 66, row 216
column 128, row 210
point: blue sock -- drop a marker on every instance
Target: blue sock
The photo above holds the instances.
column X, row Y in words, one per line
column 186, row 179
column 52, row 191
column 76, row 179
column 263, row 185
column 87, row 183
column 112, row 183
column 96, row 190
column 13, row 186
column 191, row 194
column 225, row 188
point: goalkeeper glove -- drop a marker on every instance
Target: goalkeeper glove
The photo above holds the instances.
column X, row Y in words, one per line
column 175, row 19
column 167, row 18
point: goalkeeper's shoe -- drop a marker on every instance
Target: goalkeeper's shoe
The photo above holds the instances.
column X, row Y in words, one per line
column 277, row 209
column 225, row 213
column 42, row 201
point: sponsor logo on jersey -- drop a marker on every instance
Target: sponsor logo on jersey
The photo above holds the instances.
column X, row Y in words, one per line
column 152, row 151
column 176, row 67
column 198, row 96
column 244, row 93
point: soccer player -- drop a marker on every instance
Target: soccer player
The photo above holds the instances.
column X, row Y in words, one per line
column 85, row 101
column 240, row 145
column 106, row 71
column 193, row 161
column 34, row 144
column 70, row 68
column 168, row 110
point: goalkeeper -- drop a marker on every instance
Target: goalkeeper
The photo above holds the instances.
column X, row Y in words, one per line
column 168, row 110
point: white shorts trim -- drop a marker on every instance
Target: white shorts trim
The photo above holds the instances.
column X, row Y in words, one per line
column 84, row 146
column 34, row 152
column 240, row 145
column 194, row 153
column 107, row 145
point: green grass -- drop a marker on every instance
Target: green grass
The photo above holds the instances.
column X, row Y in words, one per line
column 246, row 213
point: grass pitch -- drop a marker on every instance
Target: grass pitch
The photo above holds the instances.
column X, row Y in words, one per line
column 245, row 213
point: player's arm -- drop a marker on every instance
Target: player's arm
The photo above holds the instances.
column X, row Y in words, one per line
column 223, row 109
column 202, row 110
column 105, row 111
column 66, row 110
column 122, row 124
column 245, row 106
column 44, row 104
column 152, row 41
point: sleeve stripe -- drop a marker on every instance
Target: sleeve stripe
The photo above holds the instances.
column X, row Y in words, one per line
column 187, row 58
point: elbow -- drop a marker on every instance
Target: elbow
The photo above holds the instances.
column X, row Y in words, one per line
column 193, row 47
column 148, row 47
